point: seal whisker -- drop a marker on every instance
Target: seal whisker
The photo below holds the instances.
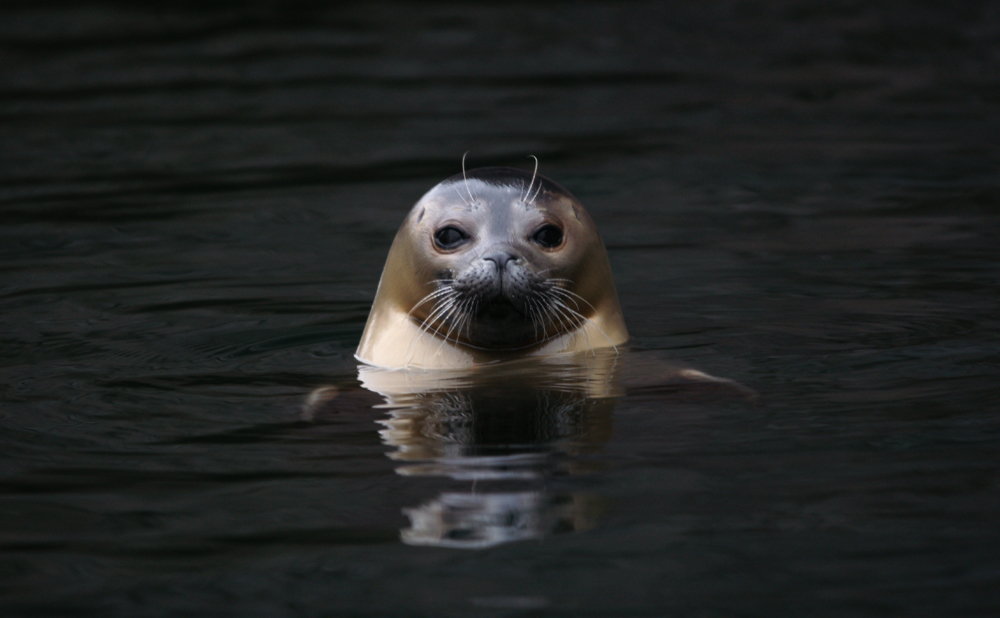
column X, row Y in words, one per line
column 573, row 296
column 533, row 176
column 432, row 296
column 464, row 318
column 472, row 200
column 543, row 323
column 532, row 313
column 548, row 319
column 439, row 314
column 563, row 294
column 474, row 304
column 554, row 309
column 441, row 307
column 562, row 285
column 592, row 323
column 447, row 336
column 538, row 191
column 444, row 315
column 462, row 197
column 424, row 329
column 573, row 314
column 461, row 317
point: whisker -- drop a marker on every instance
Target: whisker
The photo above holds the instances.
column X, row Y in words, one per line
column 462, row 197
column 538, row 191
column 594, row 324
column 440, row 313
column 532, row 312
column 440, row 308
column 533, row 175
column 563, row 295
column 564, row 309
column 468, row 314
column 472, row 200
column 574, row 296
column 432, row 296
column 456, row 325
column 556, row 311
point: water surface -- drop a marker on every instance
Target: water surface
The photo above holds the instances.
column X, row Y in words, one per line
column 196, row 203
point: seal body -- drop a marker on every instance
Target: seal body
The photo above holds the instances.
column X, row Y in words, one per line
column 492, row 265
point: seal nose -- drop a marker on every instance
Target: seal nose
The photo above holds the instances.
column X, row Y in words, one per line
column 500, row 259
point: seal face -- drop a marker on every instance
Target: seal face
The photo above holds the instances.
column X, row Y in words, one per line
column 494, row 264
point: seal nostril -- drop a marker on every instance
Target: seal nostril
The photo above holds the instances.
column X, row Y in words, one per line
column 500, row 259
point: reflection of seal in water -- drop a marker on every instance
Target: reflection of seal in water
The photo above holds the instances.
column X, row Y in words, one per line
column 492, row 265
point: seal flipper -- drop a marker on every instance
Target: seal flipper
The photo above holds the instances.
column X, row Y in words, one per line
column 644, row 372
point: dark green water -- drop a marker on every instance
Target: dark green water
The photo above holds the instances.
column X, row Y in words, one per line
column 196, row 201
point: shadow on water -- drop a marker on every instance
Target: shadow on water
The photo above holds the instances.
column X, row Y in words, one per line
column 505, row 433
column 509, row 433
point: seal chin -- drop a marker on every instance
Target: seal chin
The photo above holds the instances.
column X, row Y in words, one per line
column 501, row 326
column 500, row 309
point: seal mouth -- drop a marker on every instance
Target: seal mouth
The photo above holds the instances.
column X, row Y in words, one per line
column 512, row 320
column 489, row 321
column 499, row 304
column 499, row 308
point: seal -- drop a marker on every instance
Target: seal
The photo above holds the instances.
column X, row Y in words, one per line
column 490, row 265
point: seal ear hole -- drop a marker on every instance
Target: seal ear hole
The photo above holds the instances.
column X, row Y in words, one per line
column 548, row 236
column 450, row 237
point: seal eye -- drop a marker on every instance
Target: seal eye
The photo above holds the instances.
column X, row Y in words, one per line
column 450, row 237
column 548, row 236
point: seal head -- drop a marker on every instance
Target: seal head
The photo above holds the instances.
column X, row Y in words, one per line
column 490, row 265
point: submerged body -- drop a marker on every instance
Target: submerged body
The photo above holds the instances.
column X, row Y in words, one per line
column 498, row 264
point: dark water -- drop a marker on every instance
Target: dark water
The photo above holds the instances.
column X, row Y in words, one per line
column 196, row 202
